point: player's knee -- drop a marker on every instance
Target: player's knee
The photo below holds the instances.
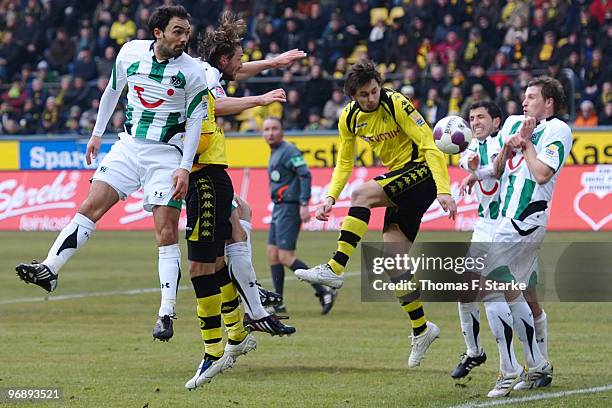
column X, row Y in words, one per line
column 362, row 197
column 167, row 234
column 91, row 210
column 286, row 257
column 200, row 268
column 272, row 254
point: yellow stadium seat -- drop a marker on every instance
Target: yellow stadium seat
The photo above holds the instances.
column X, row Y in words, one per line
column 359, row 49
column 378, row 13
column 396, row 12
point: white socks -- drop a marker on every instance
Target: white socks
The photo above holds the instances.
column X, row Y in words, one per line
column 169, row 268
column 469, row 316
column 242, row 273
column 70, row 239
column 541, row 331
column 500, row 321
column 524, row 327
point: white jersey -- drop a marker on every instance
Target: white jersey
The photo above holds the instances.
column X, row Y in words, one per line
column 161, row 95
column 522, row 197
column 487, row 190
column 213, row 79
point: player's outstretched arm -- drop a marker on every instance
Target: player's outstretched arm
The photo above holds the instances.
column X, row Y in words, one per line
column 231, row 106
column 283, row 60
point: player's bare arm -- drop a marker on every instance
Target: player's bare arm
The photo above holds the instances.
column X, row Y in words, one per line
column 231, row 106
column 283, row 60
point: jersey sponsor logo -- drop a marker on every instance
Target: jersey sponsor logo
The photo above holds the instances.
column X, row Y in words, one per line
column 381, row 136
column 511, row 165
column 360, row 125
column 146, row 104
column 489, row 192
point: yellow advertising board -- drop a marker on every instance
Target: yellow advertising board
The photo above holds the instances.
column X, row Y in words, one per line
column 590, row 147
column 9, row 155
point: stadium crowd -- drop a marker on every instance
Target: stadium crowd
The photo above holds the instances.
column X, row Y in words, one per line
column 56, row 56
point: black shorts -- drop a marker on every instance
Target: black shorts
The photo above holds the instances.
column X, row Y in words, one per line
column 209, row 206
column 412, row 189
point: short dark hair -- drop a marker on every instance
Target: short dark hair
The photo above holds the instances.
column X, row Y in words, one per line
column 359, row 75
column 551, row 88
column 222, row 41
column 491, row 108
column 162, row 16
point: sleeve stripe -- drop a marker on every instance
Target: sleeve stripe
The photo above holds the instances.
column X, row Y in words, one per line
column 561, row 154
column 114, row 76
column 196, row 101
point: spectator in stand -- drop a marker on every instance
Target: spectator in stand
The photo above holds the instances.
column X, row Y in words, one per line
column 359, row 18
column 71, row 125
column 475, row 51
column 265, row 38
column 438, row 80
column 441, row 31
column 38, row 95
column 434, row 108
column 478, row 75
column 587, row 117
column 82, row 92
column 104, row 65
column 292, row 37
column 314, row 121
column 123, row 29
column 401, row 52
column 88, row 118
column 61, row 52
column 336, row 42
column 50, row 117
column 512, row 10
column 15, row 97
column 376, row 41
column 315, row 23
column 452, row 43
column 594, row 74
column 478, row 94
column 142, row 18
column 29, row 38
column 333, row 108
column 488, row 9
column 86, row 40
column 547, row 52
column 506, row 94
column 85, row 66
column 103, row 41
column 605, row 117
column 116, row 122
column 455, row 101
column 293, row 112
column 10, row 57
column 66, row 94
column 30, row 118
column 318, row 90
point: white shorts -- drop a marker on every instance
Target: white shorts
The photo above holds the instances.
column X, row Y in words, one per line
column 133, row 163
column 513, row 254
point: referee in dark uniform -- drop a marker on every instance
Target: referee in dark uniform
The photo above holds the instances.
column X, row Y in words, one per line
column 290, row 183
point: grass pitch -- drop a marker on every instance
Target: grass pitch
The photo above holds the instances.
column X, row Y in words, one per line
column 98, row 348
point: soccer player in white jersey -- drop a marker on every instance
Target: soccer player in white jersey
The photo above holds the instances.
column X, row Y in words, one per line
column 535, row 147
column 485, row 120
column 167, row 96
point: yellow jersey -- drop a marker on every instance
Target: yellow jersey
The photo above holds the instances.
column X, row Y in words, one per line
column 396, row 132
column 211, row 149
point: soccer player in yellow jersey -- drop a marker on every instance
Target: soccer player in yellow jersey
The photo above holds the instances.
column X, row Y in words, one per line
column 417, row 175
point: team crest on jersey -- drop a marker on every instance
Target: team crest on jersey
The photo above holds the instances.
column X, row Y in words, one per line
column 177, row 81
column 360, row 125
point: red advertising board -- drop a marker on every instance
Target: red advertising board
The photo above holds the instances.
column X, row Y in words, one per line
column 47, row 200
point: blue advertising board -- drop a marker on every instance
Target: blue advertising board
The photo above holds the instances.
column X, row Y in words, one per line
column 57, row 155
